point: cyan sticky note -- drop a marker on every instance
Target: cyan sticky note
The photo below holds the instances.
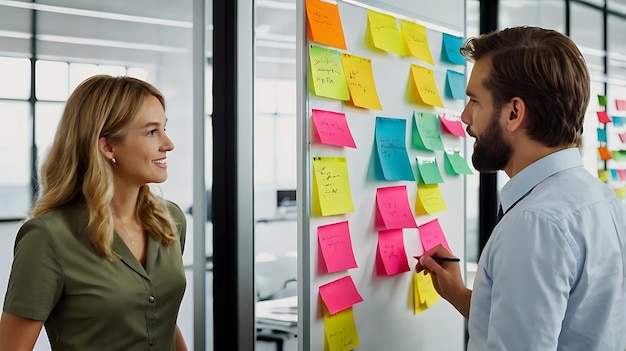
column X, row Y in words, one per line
column 602, row 135
column 455, row 85
column 450, row 49
column 391, row 150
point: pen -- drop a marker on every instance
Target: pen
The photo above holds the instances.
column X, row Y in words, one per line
column 442, row 259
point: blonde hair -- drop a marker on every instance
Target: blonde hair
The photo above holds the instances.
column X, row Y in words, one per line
column 75, row 172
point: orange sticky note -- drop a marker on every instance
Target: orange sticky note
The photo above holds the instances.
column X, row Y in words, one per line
column 340, row 294
column 336, row 246
column 360, row 78
column 324, row 24
column 604, row 153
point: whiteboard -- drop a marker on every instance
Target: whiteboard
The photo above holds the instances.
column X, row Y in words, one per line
column 384, row 319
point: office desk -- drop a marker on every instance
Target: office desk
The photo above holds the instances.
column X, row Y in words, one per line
column 277, row 320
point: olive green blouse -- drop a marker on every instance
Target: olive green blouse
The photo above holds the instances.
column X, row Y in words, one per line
column 87, row 301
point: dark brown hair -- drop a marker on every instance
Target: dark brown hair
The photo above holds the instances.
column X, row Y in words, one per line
column 545, row 69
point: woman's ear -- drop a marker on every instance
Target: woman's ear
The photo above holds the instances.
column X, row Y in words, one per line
column 106, row 149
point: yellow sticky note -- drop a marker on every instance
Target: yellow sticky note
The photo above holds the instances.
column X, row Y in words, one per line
column 425, row 85
column 603, row 175
column 360, row 78
column 428, row 294
column 327, row 73
column 620, row 192
column 416, row 40
column 429, row 199
column 384, row 33
column 340, row 331
column 418, row 306
column 331, row 186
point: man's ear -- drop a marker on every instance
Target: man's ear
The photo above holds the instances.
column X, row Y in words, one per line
column 106, row 149
column 517, row 114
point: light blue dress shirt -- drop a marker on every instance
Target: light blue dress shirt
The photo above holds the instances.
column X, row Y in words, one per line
column 553, row 274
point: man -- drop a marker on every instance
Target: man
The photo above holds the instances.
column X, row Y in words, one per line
column 552, row 275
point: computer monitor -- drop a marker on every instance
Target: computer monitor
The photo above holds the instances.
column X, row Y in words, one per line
column 285, row 198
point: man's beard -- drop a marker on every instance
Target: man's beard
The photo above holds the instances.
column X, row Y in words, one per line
column 492, row 152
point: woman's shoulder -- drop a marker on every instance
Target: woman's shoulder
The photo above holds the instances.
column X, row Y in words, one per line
column 175, row 211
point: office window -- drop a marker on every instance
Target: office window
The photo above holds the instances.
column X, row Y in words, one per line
column 51, row 80
column 15, row 82
column 15, row 143
column 48, row 117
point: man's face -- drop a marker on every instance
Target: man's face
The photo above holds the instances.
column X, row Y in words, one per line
column 492, row 151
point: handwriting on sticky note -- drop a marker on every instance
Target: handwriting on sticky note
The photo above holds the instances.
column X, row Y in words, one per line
column 432, row 235
column 392, row 252
column 324, row 23
column 360, row 78
column 327, row 73
column 339, row 294
column 416, row 39
column 332, row 185
column 393, row 207
column 332, row 128
column 336, row 246
column 340, row 331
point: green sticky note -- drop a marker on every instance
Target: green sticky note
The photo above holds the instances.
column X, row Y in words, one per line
column 455, row 163
column 326, row 73
column 428, row 170
column 602, row 100
column 425, row 132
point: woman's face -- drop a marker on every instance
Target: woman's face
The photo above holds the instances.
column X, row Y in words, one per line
column 141, row 154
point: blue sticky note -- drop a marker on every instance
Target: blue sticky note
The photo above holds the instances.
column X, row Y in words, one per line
column 602, row 135
column 450, row 49
column 455, row 85
column 391, row 150
column 618, row 121
column 615, row 174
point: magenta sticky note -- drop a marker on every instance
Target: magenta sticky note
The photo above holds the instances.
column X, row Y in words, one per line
column 432, row 235
column 392, row 252
column 393, row 209
column 332, row 128
column 452, row 125
column 339, row 294
column 336, row 246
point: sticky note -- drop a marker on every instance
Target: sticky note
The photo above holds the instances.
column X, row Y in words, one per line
column 426, row 288
column 336, row 246
column 602, row 100
column 455, row 85
column 416, row 40
column 360, row 78
column 392, row 208
column 450, row 49
column 603, row 175
column 620, row 105
column 391, row 154
column 383, row 31
column 425, row 87
column 391, row 251
column 604, row 153
column 601, row 135
column 618, row 121
column 621, row 192
column 428, row 170
column 324, row 24
column 452, row 125
column 331, row 186
column 432, row 235
column 614, row 174
column 617, row 155
column 326, row 72
column 429, row 199
column 340, row 331
column 455, row 164
column 339, row 294
column 332, row 128
column 603, row 117
column 425, row 134
column 622, row 137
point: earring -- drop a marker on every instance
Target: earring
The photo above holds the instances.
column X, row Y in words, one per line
column 113, row 160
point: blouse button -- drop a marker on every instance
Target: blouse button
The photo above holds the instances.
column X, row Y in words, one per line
column 151, row 299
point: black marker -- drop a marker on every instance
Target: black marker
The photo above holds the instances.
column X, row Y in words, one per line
column 442, row 259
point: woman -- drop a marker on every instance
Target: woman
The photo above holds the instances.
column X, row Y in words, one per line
column 100, row 261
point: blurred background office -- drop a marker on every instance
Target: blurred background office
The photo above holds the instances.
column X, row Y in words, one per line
column 228, row 72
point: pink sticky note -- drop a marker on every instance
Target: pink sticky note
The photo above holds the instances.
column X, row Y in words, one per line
column 392, row 252
column 336, row 246
column 432, row 235
column 332, row 128
column 452, row 125
column 620, row 105
column 340, row 294
column 622, row 137
column 621, row 173
column 393, row 209
column 603, row 117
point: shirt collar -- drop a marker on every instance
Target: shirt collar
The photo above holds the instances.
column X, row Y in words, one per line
column 523, row 182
